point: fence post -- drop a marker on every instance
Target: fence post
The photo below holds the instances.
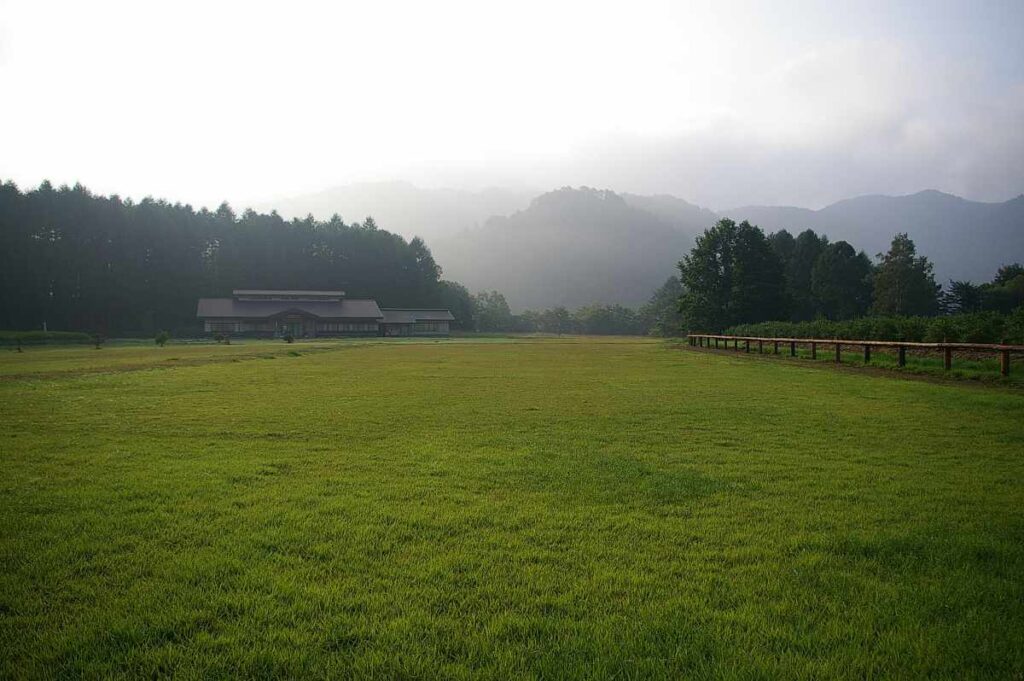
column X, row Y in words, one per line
column 947, row 359
column 867, row 354
column 776, row 350
column 735, row 343
column 1004, row 362
column 760, row 346
column 746, row 345
column 814, row 351
column 839, row 353
column 792, row 348
column 902, row 354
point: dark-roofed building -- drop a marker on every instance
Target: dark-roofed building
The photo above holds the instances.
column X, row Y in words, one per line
column 299, row 313
column 309, row 314
column 408, row 322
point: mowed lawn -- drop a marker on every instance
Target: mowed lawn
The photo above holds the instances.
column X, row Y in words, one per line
column 576, row 508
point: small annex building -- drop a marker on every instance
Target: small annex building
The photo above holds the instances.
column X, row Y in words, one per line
column 408, row 322
column 311, row 314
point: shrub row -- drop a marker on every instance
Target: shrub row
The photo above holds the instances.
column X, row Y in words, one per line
column 39, row 337
column 978, row 327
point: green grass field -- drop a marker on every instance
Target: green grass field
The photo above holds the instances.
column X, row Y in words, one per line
column 564, row 508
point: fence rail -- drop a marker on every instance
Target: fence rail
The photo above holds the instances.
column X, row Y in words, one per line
column 901, row 347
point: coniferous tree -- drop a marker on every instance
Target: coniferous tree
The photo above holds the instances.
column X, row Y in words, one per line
column 76, row 261
column 962, row 296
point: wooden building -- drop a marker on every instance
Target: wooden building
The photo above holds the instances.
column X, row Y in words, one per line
column 311, row 314
column 409, row 322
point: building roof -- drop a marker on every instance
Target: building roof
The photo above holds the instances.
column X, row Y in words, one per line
column 394, row 315
column 270, row 293
column 232, row 308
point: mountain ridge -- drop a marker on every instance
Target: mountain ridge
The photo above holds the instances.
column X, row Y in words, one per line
column 579, row 246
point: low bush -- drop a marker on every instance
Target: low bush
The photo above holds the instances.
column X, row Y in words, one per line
column 977, row 327
column 40, row 337
column 162, row 338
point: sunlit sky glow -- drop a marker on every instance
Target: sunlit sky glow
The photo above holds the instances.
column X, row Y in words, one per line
column 716, row 102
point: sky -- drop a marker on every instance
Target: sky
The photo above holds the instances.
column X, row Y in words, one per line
column 721, row 103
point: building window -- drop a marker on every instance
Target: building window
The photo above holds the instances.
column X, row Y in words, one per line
column 346, row 327
column 430, row 327
column 222, row 327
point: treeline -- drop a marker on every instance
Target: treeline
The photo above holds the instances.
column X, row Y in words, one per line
column 660, row 316
column 977, row 327
column 738, row 275
column 76, row 261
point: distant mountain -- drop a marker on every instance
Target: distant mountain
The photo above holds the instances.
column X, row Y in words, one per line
column 574, row 247
column 964, row 239
column 404, row 208
column 681, row 214
column 579, row 246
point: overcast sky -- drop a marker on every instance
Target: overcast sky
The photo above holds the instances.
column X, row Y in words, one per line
column 719, row 103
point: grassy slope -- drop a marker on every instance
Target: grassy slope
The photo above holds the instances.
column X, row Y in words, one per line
column 536, row 508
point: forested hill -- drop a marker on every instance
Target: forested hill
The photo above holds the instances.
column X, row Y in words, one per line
column 78, row 261
column 405, row 208
column 571, row 247
column 575, row 247
column 966, row 240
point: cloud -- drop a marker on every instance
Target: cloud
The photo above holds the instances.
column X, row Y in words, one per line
column 719, row 102
column 851, row 117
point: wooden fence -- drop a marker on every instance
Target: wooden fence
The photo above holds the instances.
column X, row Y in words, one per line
column 901, row 347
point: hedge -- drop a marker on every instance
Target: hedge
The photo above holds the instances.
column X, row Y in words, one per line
column 41, row 337
column 978, row 327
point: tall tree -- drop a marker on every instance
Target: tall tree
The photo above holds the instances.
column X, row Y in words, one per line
column 492, row 312
column 731, row 276
column 807, row 248
column 904, row 282
column 783, row 244
column 77, row 261
column 556, row 320
column 1008, row 273
column 962, row 296
column 606, row 320
column 661, row 316
column 841, row 281
column 457, row 298
column 1006, row 291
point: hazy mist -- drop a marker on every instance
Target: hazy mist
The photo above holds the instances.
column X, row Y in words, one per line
column 721, row 103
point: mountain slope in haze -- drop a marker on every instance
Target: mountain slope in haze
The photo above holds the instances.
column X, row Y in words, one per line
column 570, row 247
column 964, row 239
column 681, row 214
column 578, row 246
column 404, row 208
